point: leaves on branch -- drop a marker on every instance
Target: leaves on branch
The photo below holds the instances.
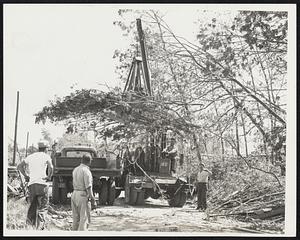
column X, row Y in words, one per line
column 128, row 111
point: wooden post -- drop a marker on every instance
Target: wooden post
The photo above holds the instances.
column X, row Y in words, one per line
column 143, row 52
column 16, row 127
column 27, row 144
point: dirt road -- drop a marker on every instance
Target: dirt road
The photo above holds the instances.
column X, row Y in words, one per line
column 154, row 216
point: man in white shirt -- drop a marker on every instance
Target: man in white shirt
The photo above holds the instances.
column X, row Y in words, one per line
column 33, row 169
column 82, row 195
column 202, row 185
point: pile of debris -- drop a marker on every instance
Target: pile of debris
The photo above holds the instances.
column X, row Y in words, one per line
column 15, row 185
column 251, row 202
column 60, row 217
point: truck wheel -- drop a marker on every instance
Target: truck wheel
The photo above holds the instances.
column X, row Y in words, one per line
column 111, row 194
column 140, row 200
column 183, row 197
column 146, row 194
column 55, row 191
column 127, row 191
column 133, row 196
column 117, row 193
column 63, row 195
column 178, row 200
column 103, row 193
column 174, row 200
column 154, row 195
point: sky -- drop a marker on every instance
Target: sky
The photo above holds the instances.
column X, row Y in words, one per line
column 50, row 48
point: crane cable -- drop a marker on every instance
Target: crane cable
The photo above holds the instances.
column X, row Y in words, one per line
column 162, row 195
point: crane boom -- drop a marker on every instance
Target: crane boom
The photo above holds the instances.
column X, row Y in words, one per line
column 144, row 56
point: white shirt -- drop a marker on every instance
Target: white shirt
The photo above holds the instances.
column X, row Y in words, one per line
column 203, row 176
column 37, row 165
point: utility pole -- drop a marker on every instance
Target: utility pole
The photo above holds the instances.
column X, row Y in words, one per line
column 16, row 127
column 27, row 144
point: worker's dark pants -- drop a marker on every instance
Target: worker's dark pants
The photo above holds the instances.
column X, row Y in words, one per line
column 39, row 200
column 201, row 195
column 172, row 164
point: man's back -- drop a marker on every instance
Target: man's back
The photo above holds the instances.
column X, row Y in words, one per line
column 82, row 177
column 37, row 163
column 82, row 192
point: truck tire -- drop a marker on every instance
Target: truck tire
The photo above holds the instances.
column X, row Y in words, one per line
column 154, row 195
column 183, row 197
column 127, row 191
column 55, row 191
column 63, row 195
column 117, row 193
column 103, row 193
column 146, row 194
column 111, row 194
column 140, row 200
column 133, row 196
column 178, row 200
column 173, row 202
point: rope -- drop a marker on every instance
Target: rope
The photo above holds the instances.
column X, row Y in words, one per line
column 151, row 179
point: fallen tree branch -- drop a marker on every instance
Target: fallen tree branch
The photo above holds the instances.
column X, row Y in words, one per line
column 267, row 195
column 247, row 230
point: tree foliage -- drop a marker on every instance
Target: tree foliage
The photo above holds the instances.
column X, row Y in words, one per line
column 227, row 86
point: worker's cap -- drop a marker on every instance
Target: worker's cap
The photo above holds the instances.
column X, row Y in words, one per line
column 202, row 164
column 43, row 144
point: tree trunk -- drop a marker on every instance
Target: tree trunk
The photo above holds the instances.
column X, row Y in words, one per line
column 220, row 132
column 197, row 147
column 237, row 136
column 260, row 114
column 245, row 134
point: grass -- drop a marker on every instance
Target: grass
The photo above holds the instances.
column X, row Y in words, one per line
column 16, row 214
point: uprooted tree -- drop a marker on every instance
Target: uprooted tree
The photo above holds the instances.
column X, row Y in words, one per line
column 222, row 91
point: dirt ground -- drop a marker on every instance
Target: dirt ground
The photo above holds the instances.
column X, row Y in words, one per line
column 154, row 216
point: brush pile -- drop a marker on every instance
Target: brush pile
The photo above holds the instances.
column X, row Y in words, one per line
column 249, row 196
column 252, row 201
column 246, row 193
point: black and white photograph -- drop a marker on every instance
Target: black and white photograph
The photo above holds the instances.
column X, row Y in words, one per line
column 149, row 120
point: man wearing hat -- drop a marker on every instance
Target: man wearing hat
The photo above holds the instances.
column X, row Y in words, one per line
column 33, row 169
column 201, row 186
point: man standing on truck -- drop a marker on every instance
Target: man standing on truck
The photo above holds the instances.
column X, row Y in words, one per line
column 171, row 153
column 82, row 195
column 202, row 186
column 36, row 165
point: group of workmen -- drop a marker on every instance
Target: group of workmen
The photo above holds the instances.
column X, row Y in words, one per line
column 149, row 158
column 33, row 168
